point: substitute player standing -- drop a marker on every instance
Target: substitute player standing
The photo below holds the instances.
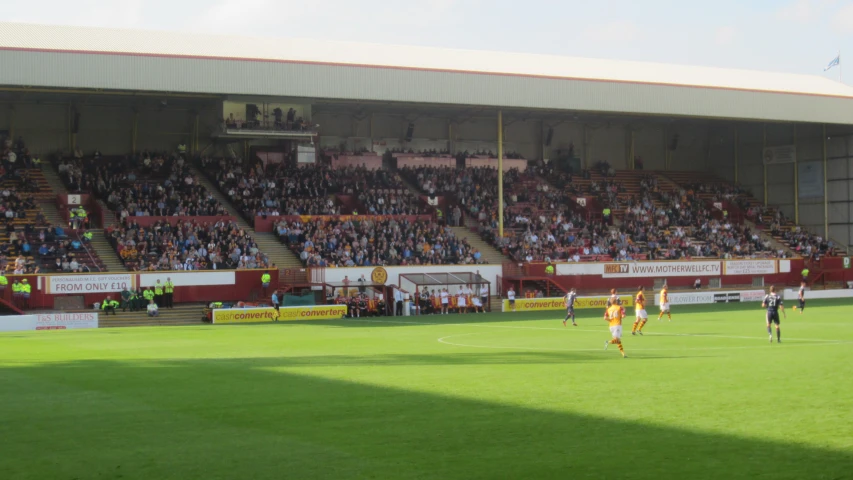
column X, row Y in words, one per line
column 664, row 303
column 801, row 298
column 613, row 316
column 642, row 316
column 570, row 306
column 773, row 303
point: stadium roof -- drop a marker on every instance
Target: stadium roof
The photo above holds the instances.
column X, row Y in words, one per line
column 144, row 60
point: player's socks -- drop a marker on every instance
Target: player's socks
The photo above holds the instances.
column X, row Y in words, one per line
column 769, row 330
column 779, row 336
column 642, row 324
column 621, row 349
column 634, row 327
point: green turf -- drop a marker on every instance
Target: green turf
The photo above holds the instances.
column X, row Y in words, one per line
column 512, row 396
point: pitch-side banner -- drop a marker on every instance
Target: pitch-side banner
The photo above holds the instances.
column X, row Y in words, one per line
column 79, row 284
column 48, row 321
column 541, row 304
column 66, row 321
column 707, row 297
column 749, row 267
column 287, row 314
column 662, row 269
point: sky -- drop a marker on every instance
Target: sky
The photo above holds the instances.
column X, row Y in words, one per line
column 794, row 36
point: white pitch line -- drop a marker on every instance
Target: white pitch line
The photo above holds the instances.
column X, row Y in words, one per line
column 444, row 341
column 585, row 330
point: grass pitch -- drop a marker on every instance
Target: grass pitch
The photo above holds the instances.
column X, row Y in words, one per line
column 498, row 396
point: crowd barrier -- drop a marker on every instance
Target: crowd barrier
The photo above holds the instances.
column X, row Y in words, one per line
column 267, row 224
column 174, row 220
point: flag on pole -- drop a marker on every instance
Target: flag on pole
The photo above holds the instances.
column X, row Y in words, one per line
column 835, row 61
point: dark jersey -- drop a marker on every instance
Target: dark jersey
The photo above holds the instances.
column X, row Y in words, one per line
column 772, row 301
column 570, row 300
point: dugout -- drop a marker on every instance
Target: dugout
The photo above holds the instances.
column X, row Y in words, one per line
column 371, row 289
column 415, row 282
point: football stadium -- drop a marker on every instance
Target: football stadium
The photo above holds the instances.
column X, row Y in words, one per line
column 225, row 257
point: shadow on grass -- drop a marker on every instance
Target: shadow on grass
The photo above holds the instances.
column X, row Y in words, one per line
column 239, row 418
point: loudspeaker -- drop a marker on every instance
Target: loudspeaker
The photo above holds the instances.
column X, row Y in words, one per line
column 549, row 136
column 674, row 144
column 410, row 132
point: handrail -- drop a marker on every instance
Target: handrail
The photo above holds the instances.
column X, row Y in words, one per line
column 94, row 262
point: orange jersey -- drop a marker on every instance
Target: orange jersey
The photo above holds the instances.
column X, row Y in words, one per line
column 614, row 315
column 640, row 302
column 664, row 296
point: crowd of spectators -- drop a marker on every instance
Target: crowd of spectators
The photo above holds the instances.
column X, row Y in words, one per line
column 185, row 198
column 288, row 189
column 376, row 243
column 15, row 205
column 98, row 174
column 281, row 120
column 15, row 155
column 187, row 245
column 47, row 249
column 148, row 184
column 798, row 239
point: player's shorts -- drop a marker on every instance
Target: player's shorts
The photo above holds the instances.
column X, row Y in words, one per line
column 570, row 310
column 616, row 331
column 642, row 314
column 664, row 307
column 477, row 302
column 463, row 304
column 802, row 304
column 512, row 302
column 773, row 317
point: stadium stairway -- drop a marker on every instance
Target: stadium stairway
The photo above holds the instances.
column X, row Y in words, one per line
column 48, row 206
column 182, row 314
column 51, row 213
column 105, row 251
column 491, row 254
column 52, row 178
column 774, row 243
column 267, row 242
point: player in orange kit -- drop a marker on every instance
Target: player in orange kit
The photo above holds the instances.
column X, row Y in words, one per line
column 664, row 303
column 642, row 316
column 613, row 316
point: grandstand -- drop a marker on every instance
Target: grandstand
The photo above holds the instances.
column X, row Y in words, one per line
column 214, row 171
column 153, row 179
